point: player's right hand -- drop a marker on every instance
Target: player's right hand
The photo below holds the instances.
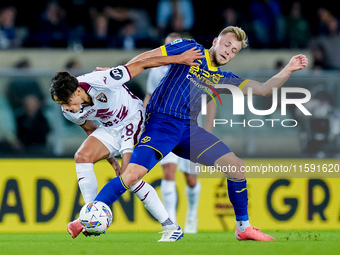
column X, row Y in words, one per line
column 188, row 57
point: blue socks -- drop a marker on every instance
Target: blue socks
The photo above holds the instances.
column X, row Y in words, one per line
column 237, row 190
column 238, row 196
column 112, row 191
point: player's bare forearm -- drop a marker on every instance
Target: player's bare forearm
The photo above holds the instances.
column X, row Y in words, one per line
column 276, row 81
column 144, row 55
column 296, row 63
column 147, row 54
column 186, row 58
column 89, row 127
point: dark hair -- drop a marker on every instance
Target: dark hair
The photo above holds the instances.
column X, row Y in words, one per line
column 63, row 86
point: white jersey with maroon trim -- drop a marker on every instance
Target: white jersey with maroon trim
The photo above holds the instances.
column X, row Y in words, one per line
column 113, row 102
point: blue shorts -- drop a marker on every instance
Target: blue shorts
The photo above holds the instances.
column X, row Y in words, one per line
column 164, row 133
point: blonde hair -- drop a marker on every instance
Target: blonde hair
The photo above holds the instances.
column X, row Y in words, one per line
column 238, row 32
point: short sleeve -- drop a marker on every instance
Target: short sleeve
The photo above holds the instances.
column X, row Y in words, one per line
column 177, row 47
column 235, row 80
column 117, row 76
column 232, row 79
column 74, row 120
column 110, row 78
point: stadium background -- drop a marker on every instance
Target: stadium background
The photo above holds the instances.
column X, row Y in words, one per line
column 38, row 188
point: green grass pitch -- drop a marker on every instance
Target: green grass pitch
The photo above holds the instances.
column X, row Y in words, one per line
column 207, row 243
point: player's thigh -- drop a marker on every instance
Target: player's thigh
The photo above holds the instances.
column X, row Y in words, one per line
column 111, row 139
column 200, row 146
column 160, row 136
column 151, row 148
column 91, row 151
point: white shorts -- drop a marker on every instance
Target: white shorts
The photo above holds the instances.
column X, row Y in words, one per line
column 183, row 165
column 170, row 158
column 120, row 140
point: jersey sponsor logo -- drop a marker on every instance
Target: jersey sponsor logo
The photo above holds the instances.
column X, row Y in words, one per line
column 123, row 112
column 176, row 41
column 87, row 114
column 146, row 139
column 102, row 98
column 116, row 74
column 210, row 78
column 204, row 87
column 104, row 113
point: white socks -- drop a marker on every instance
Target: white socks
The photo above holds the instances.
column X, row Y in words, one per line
column 242, row 225
column 169, row 195
column 193, row 195
column 88, row 185
column 148, row 195
column 87, row 181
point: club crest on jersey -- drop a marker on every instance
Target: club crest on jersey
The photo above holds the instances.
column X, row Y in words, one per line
column 102, row 98
column 116, row 73
column 146, row 139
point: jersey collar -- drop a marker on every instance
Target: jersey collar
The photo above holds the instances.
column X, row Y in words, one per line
column 207, row 57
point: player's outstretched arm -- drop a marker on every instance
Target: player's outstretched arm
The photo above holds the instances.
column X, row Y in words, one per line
column 296, row 63
column 147, row 54
column 187, row 58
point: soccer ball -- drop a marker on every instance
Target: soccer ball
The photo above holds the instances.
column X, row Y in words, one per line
column 95, row 217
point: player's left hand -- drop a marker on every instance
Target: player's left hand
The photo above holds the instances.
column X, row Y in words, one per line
column 297, row 62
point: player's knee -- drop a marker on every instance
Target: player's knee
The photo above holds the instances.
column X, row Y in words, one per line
column 82, row 156
column 240, row 163
column 191, row 181
column 131, row 180
column 169, row 171
column 237, row 169
column 133, row 174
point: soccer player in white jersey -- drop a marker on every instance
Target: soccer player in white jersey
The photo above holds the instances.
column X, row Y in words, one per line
column 102, row 96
